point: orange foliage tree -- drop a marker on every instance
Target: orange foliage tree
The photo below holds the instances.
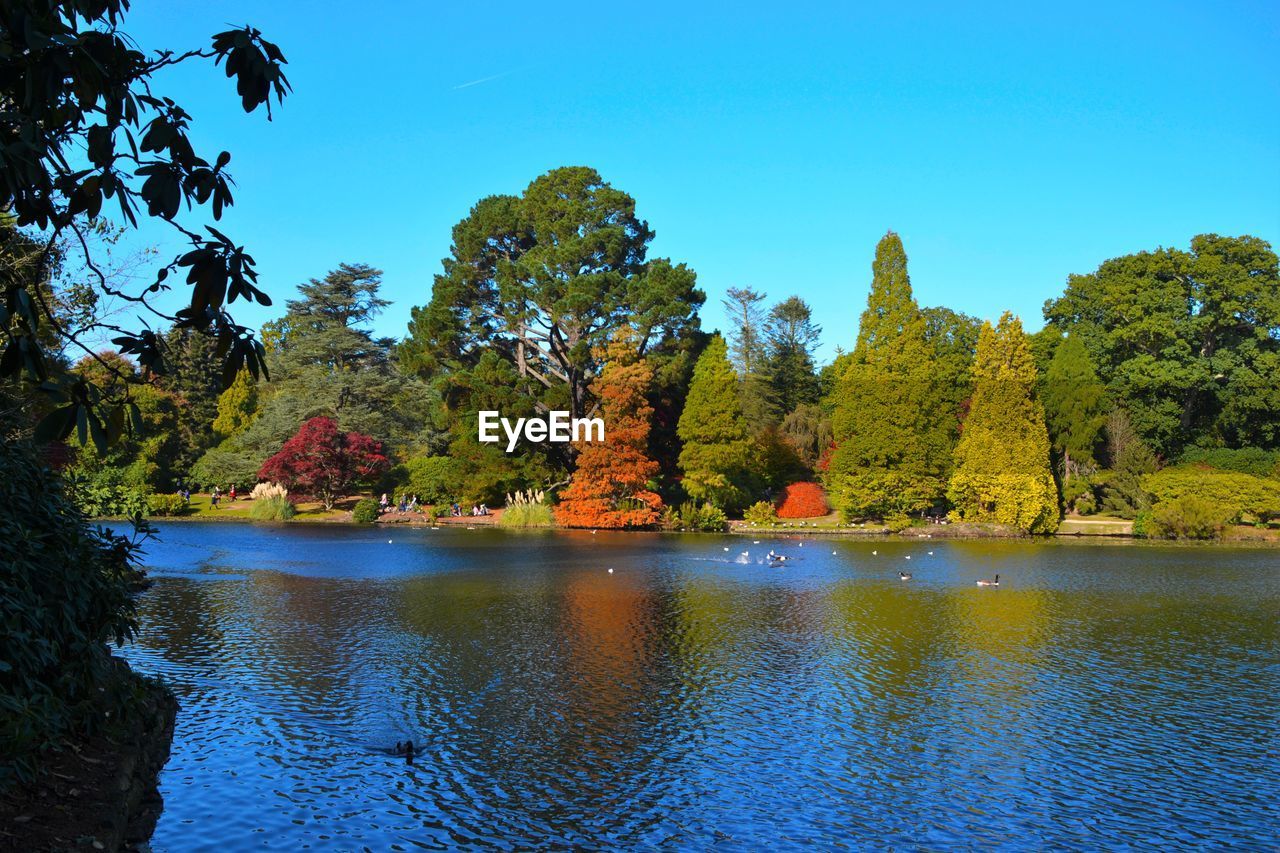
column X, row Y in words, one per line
column 610, row 488
column 803, row 500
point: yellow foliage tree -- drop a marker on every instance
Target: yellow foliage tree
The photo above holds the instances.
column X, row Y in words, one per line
column 1002, row 472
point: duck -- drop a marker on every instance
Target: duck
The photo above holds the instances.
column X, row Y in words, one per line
column 995, row 581
column 406, row 749
column 904, row 576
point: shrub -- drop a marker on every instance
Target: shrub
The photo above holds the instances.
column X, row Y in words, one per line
column 1238, row 494
column 64, row 596
column 760, row 513
column 106, row 496
column 1086, row 504
column 1188, row 517
column 527, row 515
column 265, row 491
column 272, row 509
column 166, row 505
column 803, row 500
column 897, row 522
column 365, row 512
column 432, row 478
column 439, row 511
column 704, row 518
column 1246, row 460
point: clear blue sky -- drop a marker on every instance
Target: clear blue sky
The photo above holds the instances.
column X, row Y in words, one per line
column 769, row 146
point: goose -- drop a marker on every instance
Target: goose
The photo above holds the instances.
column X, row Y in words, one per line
column 904, row 576
column 995, row 581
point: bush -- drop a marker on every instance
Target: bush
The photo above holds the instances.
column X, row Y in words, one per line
column 365, row 512
column 265, row 491
column 1237, row 494
column 1188, row 517
column 432, row 478
column 760, row 513
column 106, row 496
column 803, row 500
column 1246, row 460
column 1086, row 504
column 64, row 595
column 272, row 509
column 439, row 511
column 527, row 515
column 704, row 518
column 166, row 505
column 897, row 522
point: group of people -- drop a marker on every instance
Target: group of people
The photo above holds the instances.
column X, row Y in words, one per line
column 215, row 496
column 409, row 503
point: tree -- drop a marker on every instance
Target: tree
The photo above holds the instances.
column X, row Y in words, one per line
column 791, row 336
column 322, row 461
column 1189, row 341
column 1131, row 461
column 1002, row 459
column 808, row 429
column 611, row 485
column 83, row 126
column 892, row 432
column 1075, row 406
column 749, row 355
column 542, row 281
column 327, row 327
column 746, row 339
column 716, row 459
column 236, row 406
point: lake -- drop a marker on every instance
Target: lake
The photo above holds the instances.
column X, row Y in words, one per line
column 1105, row 695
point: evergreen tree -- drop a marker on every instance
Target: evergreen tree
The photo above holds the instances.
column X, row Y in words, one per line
column 610, row 486
column 791, row 335
column 717, row 444
column 1074, row 406
column 892, row 432
column 749, row 354
column 1002, row 459
column 236, row 406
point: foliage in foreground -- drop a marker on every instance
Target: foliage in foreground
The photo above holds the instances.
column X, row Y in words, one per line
column 64, row 594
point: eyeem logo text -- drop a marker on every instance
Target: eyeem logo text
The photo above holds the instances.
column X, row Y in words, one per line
column 558, row 428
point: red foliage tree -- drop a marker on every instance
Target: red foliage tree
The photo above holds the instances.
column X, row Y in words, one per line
column 803, row 500
column 610, row 488
column 319, row 460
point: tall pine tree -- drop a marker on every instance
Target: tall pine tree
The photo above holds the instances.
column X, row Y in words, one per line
column 892, row 433
column 791, row 336
column 1002, row 459
column 716, row 459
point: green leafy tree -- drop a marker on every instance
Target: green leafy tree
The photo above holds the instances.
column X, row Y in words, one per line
column 543, row 280
column 893, row 435
column 718, row 447
column 1189, row 341
column 1002, row 459
column 236, row 406
column 1131, row 461
column 1075, row 406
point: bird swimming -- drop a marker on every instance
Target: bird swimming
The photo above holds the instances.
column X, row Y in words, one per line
column 904, row 576
column 995, row 581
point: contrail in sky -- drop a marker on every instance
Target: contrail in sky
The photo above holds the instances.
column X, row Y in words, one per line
column 484, row 80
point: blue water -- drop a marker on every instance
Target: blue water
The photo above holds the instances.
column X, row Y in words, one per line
column 1104, row 696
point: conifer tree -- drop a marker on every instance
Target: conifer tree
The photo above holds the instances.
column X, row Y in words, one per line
column 716, row 459
column 236, row 406
column 610, row 487
column 892, row 429
column 1002, row 459
column 1075, row 406
column 791, row 335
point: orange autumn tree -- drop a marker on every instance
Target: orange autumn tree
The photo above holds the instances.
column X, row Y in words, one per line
column 610, row 488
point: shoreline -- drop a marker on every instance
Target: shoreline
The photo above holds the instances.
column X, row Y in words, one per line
column 955, row 532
